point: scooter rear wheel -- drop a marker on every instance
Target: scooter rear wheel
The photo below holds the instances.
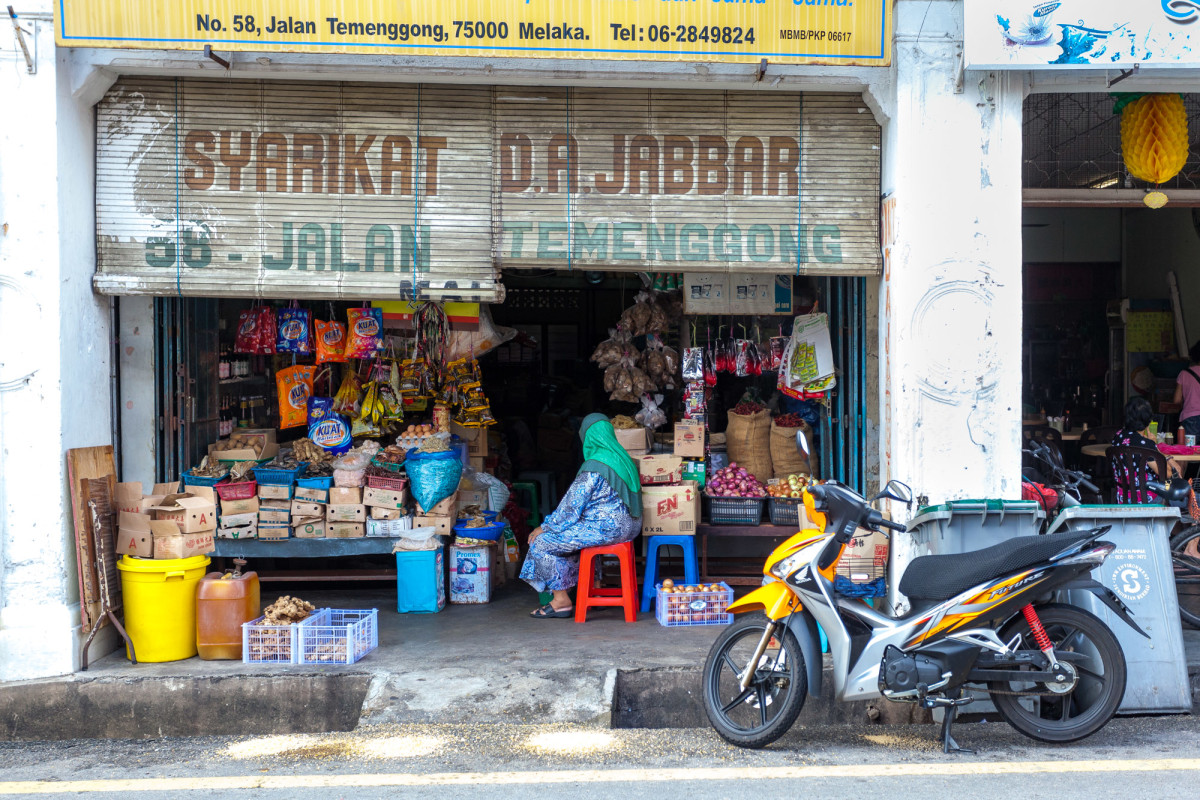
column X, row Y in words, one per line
column 763, row 712
column 1098, row 661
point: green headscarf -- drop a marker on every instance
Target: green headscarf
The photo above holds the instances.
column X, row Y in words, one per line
column 603, row 455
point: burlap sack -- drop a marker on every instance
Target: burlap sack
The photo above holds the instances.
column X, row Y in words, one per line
column 785, row 458
column 748, row 441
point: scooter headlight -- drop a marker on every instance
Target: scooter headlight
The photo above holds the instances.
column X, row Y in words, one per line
column 787, row 566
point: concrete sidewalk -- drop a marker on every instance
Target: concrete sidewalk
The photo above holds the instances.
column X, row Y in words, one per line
column 467, row 664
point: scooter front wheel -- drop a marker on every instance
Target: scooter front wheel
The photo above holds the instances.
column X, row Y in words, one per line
column 765, row 710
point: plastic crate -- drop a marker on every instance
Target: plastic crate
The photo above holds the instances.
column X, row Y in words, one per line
column 325, row 482
column 383, row 482
column 269, row 644
column 242, row 490
column 273, row 476
column 338, row 636
column 689, row 609
column 785, row 510
column 735, row 510
column 196, row 480
column 390, row 466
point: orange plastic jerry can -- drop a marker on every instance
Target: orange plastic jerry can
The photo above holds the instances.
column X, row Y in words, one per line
column 223, row 602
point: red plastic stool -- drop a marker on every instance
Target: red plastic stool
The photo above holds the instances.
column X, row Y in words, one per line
column 592, row 596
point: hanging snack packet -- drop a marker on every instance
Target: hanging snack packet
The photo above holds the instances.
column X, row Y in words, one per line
column 326, row 427
column 365, row 332
column 331, row 342
column 294, row 385
column 293, row 335
column 346, row 399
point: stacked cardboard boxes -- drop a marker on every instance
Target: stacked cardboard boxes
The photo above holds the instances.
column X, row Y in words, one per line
column 173, row 525
column 345, row 515
column 274, row 512
column 387, row 512
column 308, row 512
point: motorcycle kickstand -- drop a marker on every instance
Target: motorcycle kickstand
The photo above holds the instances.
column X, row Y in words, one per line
column 949, row 745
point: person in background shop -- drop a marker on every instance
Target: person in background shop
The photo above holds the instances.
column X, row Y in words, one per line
column 1137, row 419
column 602, row 507
column 1187, row 392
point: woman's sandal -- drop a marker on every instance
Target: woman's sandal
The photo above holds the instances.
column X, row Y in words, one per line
column 550, row 612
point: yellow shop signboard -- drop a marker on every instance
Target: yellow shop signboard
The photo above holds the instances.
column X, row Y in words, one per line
column 745, row 31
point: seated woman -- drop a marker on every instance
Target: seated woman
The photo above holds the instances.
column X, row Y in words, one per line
column 1137, row 419
column 602, row 507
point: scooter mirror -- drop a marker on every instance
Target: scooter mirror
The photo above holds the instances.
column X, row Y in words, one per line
column 801, row 442
column 895, row 490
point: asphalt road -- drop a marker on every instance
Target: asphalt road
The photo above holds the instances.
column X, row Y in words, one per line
column 1146, row 757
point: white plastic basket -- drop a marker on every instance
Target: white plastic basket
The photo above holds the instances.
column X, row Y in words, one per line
column 338, row 636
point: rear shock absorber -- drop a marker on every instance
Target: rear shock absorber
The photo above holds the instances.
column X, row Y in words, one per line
column 1039, row 632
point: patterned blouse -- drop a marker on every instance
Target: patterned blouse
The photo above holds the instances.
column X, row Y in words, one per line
column 1136, row 481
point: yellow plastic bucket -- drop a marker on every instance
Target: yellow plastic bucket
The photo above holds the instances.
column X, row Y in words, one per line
column 160, row 605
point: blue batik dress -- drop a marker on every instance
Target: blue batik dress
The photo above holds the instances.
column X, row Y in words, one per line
column 590, row 515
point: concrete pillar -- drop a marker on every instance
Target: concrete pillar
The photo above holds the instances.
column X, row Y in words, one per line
column 950, row 306
column 54, row 351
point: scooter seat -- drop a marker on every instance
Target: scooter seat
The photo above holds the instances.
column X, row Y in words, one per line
column 943, row 577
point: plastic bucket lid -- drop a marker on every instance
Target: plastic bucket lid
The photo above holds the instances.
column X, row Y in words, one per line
column 145, row 566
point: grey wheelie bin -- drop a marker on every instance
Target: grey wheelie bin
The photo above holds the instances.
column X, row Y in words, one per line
column 959, row 526
column 1139, row 571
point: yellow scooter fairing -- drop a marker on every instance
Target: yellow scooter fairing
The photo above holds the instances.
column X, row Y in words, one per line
column 775, row 599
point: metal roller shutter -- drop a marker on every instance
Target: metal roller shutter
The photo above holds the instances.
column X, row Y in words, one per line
column 342, row 190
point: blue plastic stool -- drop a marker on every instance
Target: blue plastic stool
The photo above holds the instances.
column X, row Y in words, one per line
column 691, row 569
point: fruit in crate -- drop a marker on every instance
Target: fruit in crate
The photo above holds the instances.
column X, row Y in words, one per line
column 734, row 481
column 791, row 487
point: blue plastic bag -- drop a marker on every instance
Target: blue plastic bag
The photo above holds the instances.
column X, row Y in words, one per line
column 434, row 476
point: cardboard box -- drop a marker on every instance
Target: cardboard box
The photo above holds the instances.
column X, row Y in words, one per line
column 232, row 507
column 158, row 494
column 671, row 510
column 274, row 531
column 659, row 469
column 274, row 515
column 128, row 497
column 193, row 512
column 268, row 492
column 445, row 508
column 689, row 439
column 384, row 498
column 444, row 525
column 693, row 471
column 341, row 495
column 135, row 533
column 238, row 520
column 302, row 508
column 389, row 527
column 309, row 530
column 865, row 557
column 267, row 449
column 345, row 530
column 376, row 512
column 475, row 463
column 636, row 441
column 311, row 495
column 350, row 512
column 183, row 545
column 473, row 497
column 471, row 574
column 240, row 532
column 476, row 439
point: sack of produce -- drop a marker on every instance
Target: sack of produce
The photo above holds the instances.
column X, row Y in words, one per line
column 434, row 475
column 785, row 458
column 748, row 439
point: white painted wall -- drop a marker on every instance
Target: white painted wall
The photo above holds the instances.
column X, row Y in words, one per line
column 56, row 334
column 951, row 311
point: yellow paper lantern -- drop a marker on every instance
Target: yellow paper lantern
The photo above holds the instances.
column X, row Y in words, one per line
column 1154, row 137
